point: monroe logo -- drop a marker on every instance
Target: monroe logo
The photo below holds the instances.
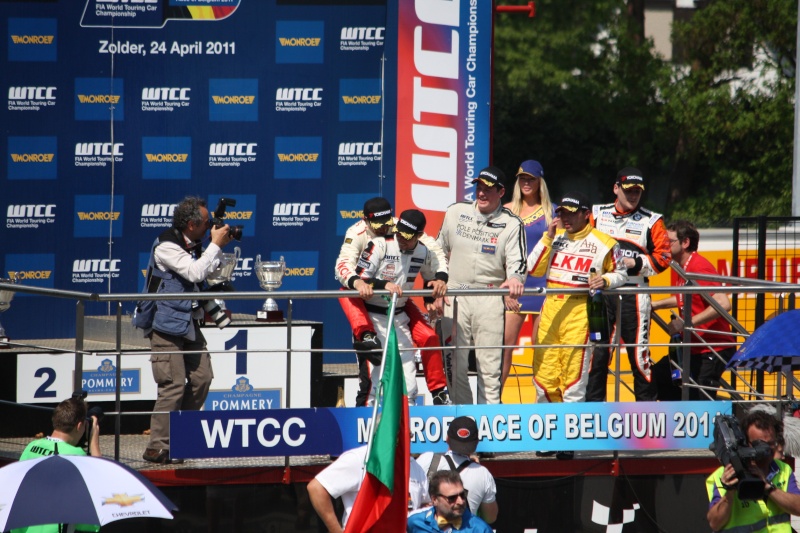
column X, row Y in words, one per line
column 308, row 271
column 31, row 274
column 94, row 149
column 349, row 215
column 98, row 215
column 35, row 211
column 238, row 215
column 362, row 34
column 292, row 158
column 98, row 98
column 31, row 93
column 242, row 100
column 365, row 99
column 299, row 41
column 237, row 149
column 172, row 94
column 95, row 265
column 32, row 158
column 166, row 158
column 299, row 94
column 32, row 39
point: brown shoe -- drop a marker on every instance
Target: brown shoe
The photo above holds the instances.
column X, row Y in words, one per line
column 160, row 457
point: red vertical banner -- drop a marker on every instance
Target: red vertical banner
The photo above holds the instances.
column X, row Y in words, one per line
column 443, row 103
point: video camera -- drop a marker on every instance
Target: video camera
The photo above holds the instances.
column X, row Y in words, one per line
column 219, row 213
column 730, row 446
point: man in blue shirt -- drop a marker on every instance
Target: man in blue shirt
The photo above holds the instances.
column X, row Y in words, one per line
column 450, row 511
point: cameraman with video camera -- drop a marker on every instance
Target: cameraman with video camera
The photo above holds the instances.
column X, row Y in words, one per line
column 764, row 495
column 178, row 264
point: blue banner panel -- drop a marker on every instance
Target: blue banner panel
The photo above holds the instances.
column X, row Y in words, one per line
column 32, row 39
column 32, row 158
column 640, row 426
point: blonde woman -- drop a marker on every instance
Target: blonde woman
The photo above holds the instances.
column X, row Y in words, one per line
column 530, row 202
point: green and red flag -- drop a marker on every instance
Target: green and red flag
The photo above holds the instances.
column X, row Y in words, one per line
column 382, row 501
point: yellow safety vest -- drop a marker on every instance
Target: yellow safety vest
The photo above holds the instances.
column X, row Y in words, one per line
column 755, row 516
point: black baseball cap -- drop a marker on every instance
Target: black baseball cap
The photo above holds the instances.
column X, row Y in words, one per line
column 630, row 177
column 377, row 211
column 574, row 201
column 410, row 223
column 462, row 435
column 492, row 176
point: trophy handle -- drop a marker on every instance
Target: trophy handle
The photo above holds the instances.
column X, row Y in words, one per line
column 258, row 261
column 237, row 253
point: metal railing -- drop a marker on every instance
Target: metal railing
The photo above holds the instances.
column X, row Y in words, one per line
column 742, row 285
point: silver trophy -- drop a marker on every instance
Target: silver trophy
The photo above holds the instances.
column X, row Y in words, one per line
column 220, row 281
column 5, row 302
column 270, row 276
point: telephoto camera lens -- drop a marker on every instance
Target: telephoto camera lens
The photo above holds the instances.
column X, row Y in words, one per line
column 236, row 232
column 217, row 313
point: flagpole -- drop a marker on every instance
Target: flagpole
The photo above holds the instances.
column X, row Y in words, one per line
column 379, row 390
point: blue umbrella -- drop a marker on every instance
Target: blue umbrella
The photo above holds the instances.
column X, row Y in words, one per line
column 76, row 489
column 775, row 345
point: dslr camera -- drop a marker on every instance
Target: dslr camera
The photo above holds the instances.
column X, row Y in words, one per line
column 219, row 213
column 730, row 446
column 95, row 410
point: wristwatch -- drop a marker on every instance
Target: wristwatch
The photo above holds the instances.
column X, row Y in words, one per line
column 768, row 489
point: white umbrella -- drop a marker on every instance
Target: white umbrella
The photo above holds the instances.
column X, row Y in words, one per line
column 76, row 489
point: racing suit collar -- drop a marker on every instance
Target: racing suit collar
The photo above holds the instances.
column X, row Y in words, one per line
column 619, row 211
column 579, row 235
column 488, row 216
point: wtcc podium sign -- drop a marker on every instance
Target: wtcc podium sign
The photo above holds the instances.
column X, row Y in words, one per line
column 640, row 426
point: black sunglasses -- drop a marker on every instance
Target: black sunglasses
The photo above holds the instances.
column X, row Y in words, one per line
column 452, row 499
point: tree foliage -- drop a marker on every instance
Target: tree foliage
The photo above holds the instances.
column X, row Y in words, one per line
column 580, row 89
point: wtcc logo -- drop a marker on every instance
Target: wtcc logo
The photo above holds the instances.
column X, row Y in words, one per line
column 97, row 154
column 31, row 98
column 30, row 216
column 165, row 98
column 157, row 215
column 231, row 154
column 358, row 153
column 94, row 100
column 32, row 39
column 297, row 99
column 233, row 100
column 361, row 38
column 299, row 41
column 94, row 270
column 295, row 214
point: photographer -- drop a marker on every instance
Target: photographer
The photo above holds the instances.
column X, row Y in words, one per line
column 781, row 496
column 70, row 423
column 178, row 264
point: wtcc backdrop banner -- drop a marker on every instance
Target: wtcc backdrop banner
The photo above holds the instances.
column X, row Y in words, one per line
column 117, row 109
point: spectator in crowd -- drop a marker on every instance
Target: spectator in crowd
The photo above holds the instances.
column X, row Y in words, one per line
column 378, row 222
column 462, row 441
column 727, row 512
column 708, row 360
column 530, row 202
column 178, row 264
column 485, row 246
column 565, row 257
column 392, row 263
column 645, row 251
column 342, row 479
column 450, row 511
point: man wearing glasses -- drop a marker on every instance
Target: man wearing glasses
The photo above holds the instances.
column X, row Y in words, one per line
column 450, row 511
column 179, row 264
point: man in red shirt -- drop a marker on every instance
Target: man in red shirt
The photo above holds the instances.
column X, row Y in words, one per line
column 706, row 366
